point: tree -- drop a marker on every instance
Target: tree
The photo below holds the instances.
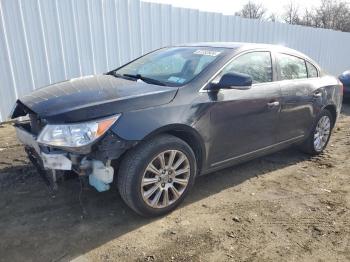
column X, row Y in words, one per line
column 273, row 17
column 331, row 14
column 252, row 10
column 291, row 14
column 308, row 18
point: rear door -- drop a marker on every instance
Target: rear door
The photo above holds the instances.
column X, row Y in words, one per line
column 297, row 97
column 243, row 121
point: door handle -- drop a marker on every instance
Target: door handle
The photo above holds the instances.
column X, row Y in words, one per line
column 273, row 104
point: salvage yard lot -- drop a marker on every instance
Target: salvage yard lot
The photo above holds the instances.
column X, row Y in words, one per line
column 281, row 207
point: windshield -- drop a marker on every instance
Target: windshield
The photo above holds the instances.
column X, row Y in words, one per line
column 174, row 66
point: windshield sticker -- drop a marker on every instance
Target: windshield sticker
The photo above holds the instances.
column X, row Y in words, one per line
column 176, row 79
column 206, row 52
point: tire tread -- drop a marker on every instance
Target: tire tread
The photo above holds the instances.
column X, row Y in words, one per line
column 307, row 146
column 132, row 159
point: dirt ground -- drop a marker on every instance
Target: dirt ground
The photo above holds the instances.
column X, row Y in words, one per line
column 283, row 207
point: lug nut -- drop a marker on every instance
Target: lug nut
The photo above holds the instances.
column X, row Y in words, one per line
column 163, row 184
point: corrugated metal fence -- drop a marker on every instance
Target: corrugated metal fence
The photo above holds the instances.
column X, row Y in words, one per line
column 46, row 41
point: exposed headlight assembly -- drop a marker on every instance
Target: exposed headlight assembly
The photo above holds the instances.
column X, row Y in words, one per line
column 77, row 134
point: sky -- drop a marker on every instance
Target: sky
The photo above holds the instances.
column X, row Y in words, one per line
column 229, row 7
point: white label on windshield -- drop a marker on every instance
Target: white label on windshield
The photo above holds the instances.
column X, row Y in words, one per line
column 176, row 79
column 206, row 52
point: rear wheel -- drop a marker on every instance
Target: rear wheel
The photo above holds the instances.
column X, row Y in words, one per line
column 155, row 177
column 320, row 134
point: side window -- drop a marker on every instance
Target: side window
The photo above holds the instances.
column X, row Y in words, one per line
column 256, row 64
column 291, row 67
column 311, row 70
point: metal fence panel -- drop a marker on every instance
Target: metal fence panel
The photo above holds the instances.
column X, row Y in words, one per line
column 43, row 42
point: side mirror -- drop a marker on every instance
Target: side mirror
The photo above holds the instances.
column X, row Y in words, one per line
column 233, row 80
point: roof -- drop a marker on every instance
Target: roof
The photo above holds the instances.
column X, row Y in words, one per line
column 232, row 45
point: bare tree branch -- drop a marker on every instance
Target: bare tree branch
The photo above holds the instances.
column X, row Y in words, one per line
column 291, row 14
column 252, row 10
column 331, row 14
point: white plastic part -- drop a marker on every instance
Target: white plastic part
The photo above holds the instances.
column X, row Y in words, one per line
column 102, row 172
column 98, row 184
column 56, row 161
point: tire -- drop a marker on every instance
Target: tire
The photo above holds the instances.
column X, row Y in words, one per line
column 309, row 146
column 136, row 172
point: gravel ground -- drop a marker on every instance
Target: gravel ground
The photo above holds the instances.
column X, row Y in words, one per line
column 283, row 207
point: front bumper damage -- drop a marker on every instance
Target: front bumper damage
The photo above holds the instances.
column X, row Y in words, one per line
column 93, row 162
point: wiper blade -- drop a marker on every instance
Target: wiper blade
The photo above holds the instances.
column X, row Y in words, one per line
column 146, row 79
column 116, row 74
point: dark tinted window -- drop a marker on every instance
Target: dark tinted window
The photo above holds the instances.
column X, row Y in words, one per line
column 255, row 64
column 311, row 70
column 291, row 67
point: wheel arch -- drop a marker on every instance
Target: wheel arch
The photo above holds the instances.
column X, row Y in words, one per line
column 187, row 134
column 333, row 110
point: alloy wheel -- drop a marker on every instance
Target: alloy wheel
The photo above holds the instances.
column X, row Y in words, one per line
column 322, row 133
column 165, row 179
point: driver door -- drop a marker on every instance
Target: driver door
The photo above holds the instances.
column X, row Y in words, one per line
column 244, row 122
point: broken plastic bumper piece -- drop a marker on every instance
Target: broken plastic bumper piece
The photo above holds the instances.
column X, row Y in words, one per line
column 100, row 174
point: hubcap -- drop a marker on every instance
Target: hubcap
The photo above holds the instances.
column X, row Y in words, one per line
column 322, row 132
column 165, row 178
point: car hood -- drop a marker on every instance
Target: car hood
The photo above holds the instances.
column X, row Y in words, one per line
column 91, row 97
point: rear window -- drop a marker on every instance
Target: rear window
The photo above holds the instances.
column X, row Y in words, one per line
column 311, row 70
column 291, row 67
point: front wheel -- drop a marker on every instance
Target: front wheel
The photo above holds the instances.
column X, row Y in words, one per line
column 155, row 177
column 320, row 134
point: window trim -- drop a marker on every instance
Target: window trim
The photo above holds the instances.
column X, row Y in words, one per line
column 204, row 88
column 297, row 56
column 275, row 67
column 279, row 68
column 307, row 69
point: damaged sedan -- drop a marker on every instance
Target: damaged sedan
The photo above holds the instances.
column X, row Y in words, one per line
column 156, row 123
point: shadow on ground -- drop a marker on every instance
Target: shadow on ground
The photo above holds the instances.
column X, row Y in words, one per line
column 35, row 227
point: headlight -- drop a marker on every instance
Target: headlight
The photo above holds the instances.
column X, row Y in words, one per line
column 75, row 135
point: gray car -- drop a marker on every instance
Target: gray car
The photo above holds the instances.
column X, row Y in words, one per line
column 159, row 121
